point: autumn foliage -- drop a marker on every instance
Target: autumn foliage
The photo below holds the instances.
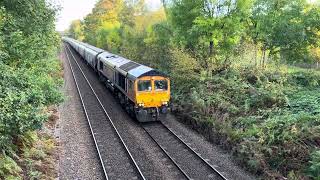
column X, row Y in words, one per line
column 234, row 70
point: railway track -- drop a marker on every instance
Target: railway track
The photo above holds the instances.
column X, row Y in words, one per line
column 149, row 171
column 115, row 157
column 189, row 162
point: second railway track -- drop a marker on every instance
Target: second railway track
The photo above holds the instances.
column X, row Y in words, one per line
column 116, row 159
column 184, row 157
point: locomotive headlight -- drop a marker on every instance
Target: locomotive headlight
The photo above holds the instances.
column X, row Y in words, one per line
column 164, row 103
column 141, row 104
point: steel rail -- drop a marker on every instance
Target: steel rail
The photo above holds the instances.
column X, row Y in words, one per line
column 167, row 154
column 110, row 120
column 87, row 117
column 190, row 148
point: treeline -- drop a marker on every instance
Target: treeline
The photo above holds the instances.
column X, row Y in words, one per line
column 210, row 31
column 228, row 64
column 29, row 80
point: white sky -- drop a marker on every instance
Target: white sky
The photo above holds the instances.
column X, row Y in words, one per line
column 78, row 9
column 314, row 1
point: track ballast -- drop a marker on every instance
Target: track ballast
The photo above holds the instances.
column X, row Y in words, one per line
column 184, row 157
column 116, row 159
column 188, row 162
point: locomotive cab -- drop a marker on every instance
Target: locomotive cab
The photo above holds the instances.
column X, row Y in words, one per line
column 152, row 97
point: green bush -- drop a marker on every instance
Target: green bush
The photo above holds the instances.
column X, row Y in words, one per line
column 23, row 101
column 9, row 169
column 306, row 78
column 271, row 117
column 314, row 169
column 29, row 75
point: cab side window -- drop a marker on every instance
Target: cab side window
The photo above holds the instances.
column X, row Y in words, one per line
column 130, row 85
column 101, row 65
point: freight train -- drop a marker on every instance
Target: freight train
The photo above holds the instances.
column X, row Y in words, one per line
column 143, row 91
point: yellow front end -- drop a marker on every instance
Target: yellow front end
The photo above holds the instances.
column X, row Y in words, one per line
column 152, row 92
column 152, row 98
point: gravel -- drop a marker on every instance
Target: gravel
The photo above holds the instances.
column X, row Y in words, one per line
column 192, row 165
column 115, row 157
column 78, row 158
column 221, row 160
column 152, row 161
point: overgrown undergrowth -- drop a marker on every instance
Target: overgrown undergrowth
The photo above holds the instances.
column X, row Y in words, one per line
column 35, row 159
column 269, row 118
column 29, row 83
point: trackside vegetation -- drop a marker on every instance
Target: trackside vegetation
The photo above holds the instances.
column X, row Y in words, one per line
column 244, row 72
column 29, row 82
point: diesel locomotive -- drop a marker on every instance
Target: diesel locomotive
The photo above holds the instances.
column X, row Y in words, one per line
column 143, row 91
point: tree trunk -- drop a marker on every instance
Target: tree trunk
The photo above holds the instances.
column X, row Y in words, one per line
column 263, row 58
column 269, row 58
column 211, row 48
column 255, row 54
column 210, row 54
column 260, row 60
column 226, row 61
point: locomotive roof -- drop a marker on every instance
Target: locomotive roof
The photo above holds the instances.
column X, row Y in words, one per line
column 113, row 60
column 125, row 66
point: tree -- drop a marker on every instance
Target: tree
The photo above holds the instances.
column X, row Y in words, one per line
column 28, row 71
column 33, row 22
column 210, row 29
column 287, row 28
column 75, row 30
column 158, row 43
column 182, row 15
column 101, row 27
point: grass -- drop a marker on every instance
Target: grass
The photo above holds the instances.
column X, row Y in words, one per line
column 268, row 118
